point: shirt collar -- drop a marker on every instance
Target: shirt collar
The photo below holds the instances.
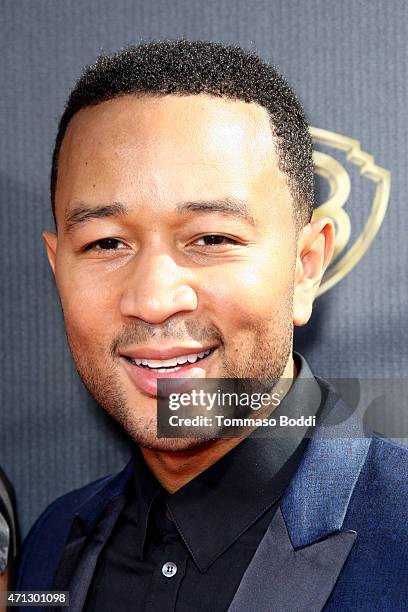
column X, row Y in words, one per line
column 227, row 498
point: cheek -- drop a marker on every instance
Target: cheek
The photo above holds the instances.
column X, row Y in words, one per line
column 89, row 306
column 247, row 293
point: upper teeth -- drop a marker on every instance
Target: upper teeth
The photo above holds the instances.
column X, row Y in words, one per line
column 174, row 361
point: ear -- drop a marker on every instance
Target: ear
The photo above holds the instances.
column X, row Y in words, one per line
column 314, row 252
column 51, row 241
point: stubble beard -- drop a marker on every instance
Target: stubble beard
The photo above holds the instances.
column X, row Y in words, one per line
column 272, row 346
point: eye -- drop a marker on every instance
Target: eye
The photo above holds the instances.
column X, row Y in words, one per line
column 105, row 244
column 214, row 240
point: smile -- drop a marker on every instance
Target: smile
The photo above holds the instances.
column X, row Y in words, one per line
column 162, row 366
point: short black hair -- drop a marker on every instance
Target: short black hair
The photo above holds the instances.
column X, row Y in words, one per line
column 182, row 67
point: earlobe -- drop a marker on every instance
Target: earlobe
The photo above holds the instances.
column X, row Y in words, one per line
column 51, row 241
column 302, row 305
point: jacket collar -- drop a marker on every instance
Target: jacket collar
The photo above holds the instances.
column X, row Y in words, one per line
column 306, row 546
column 102, row 494
column 316, row 501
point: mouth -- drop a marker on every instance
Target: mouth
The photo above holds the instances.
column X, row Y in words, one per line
column 144, row 372
column 174, row 364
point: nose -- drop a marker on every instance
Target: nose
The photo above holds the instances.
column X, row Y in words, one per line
column 157, row 289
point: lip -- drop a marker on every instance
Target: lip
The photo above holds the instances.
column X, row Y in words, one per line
column 141, row 352
column 146, row 380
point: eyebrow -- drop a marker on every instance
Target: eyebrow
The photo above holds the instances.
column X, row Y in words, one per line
column 82, row 213
column 230, row 206
column 234, row 207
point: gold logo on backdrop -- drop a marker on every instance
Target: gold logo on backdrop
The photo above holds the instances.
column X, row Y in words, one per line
column 334, row 172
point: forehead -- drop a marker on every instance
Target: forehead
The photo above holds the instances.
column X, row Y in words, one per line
column 168, row 148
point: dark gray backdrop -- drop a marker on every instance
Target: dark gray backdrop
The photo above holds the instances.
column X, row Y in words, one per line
column 347, row 60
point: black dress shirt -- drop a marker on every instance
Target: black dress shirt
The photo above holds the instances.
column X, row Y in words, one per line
column 189, row 550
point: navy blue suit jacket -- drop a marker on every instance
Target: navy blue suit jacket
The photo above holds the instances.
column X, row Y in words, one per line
column 338, row 542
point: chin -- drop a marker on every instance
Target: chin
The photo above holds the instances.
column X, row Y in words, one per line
column 152, row 442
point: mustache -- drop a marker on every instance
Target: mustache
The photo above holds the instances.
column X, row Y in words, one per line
column 138, row 332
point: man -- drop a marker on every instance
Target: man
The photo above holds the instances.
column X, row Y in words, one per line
column 182, row 190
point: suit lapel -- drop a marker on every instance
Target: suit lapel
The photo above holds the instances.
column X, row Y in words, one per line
column 281, row 578
column 81, row 579
column 299, row 559
column 90, row 530
column 318, row 495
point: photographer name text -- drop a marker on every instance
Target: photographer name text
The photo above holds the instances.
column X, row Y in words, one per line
column 223, row 421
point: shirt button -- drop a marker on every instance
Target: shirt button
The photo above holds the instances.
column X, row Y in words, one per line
column 169, row 569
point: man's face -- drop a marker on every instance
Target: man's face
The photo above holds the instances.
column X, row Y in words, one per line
column 175, row 238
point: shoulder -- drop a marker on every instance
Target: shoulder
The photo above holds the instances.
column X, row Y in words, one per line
column 43, row 546
column 380, row 499
column 63, row 509
column 386, row 462
column 386, row 470
column 388, row 447
column 375, row 574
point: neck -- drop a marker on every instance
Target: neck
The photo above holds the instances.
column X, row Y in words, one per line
column 174, row 468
